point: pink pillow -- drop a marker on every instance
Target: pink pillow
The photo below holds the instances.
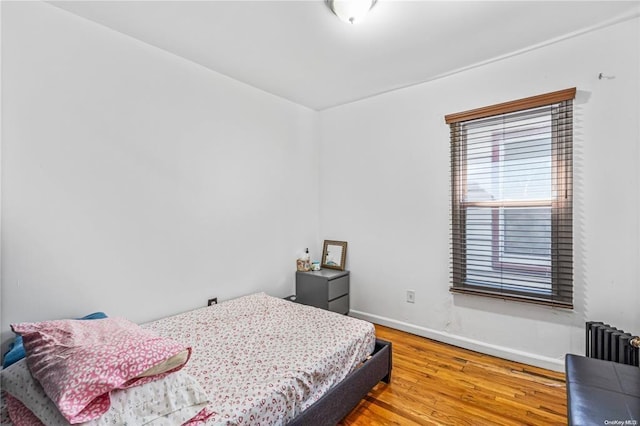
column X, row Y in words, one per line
column 78, row 363
column 22, row 416
column 19, row 414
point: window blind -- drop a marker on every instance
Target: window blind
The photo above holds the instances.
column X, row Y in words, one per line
column 511, row 200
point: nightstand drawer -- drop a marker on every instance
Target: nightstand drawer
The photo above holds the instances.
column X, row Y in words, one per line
column 340, row 305
column 338, row 287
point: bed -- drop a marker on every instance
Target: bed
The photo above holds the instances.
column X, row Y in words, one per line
column 264, row 360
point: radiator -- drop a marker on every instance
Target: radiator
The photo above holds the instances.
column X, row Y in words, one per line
column 610, row 344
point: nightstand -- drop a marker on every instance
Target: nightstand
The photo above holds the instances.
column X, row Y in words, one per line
column 326, row 289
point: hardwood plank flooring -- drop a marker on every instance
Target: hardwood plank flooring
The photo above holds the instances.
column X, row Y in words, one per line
column 437, row 384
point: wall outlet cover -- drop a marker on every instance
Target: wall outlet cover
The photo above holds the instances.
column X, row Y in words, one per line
column 411, row 296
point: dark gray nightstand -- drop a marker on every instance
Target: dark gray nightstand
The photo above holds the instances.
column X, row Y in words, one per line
column 327, row 289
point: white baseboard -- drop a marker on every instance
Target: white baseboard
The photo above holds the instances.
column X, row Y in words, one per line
column 465, row 342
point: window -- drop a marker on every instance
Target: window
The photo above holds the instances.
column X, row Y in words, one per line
column 511, row 207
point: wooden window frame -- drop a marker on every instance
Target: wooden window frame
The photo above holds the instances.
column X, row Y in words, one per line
column 561, row 165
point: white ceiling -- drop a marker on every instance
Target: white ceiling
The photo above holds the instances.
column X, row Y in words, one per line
column 300, row 51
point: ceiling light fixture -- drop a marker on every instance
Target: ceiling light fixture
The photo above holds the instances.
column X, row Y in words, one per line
column 350, row 11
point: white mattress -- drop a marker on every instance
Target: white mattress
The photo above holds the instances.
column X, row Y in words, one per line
column 262, row 359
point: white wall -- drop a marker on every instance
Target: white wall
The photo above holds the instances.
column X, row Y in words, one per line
column 141, row 184
column 385, row 189
column 138, row 183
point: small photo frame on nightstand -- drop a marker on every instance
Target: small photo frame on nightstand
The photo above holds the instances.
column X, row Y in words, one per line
column 334, row 254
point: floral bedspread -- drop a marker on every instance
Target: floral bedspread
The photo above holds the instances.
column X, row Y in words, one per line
column 262, row 359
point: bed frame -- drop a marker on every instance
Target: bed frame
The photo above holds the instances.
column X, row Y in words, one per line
column 334, row 405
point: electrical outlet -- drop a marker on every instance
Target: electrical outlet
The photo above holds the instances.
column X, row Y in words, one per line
column 213, row 301
column 411, row 296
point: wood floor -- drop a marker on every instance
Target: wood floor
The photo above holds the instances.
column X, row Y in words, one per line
column 437, row 384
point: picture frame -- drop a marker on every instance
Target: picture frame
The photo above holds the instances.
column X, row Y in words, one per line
column 334, row 254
